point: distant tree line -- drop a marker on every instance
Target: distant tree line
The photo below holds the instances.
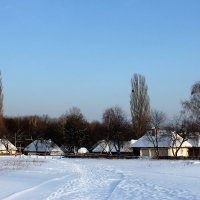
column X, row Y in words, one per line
column 73, row 130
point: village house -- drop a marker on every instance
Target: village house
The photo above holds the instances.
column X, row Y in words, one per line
column 43, row 147
column 6, row 147
column 165, row 142
column 109, row 147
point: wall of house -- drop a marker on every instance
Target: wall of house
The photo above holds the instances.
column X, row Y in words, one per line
column 182, row 152
column 163, row 152
column 144, row 152
column 3, row 152
column 151, row 152
column 35, row 153
column 13, row 152
column 56, row 153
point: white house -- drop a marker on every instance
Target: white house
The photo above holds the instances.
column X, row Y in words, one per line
column 166, row 142
column 43, row 147
column 109, row 147
column 6, row 147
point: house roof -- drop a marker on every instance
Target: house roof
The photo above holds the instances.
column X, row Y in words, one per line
column 108, row 146
column 6, row 144
column 164, row 139
column 132, row 142
column 82, row 150
column 43, row 146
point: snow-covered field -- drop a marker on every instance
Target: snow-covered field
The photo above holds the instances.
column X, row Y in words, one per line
column 46, row 178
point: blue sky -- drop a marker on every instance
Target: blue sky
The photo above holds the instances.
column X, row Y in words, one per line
column 64, row 53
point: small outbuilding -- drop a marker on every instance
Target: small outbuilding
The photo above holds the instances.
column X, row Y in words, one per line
column 110, row 147
column 43, row 147
column 6, row 147
column 83, row 150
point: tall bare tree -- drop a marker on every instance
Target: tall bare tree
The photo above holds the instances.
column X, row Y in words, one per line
column 139, row 105
column 192, row 106
column 2, row 126
column 1, row 96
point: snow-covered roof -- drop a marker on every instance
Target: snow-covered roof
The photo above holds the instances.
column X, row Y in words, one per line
column 164, row 139
column 43, row 146
column 108, row 146
column 132, row 142
column 6, row 145
column 82, row 150
column 65, row 148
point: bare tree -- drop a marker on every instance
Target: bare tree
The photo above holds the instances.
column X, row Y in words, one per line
column 192, row 106
column 154, row 137
column 4, row 140
column 178, row 133
column 157, row 118
column 74, row 128
column 1, row 96
column 2, row 126
column 178, row 140
column 139, row 105
column 97, row 131
column 115, row 120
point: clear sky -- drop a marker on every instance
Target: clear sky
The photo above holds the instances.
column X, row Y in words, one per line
column 55, row 54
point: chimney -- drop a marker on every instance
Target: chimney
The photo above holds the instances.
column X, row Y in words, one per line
column 154, row 131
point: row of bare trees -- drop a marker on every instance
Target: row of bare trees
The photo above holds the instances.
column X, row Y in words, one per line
column 73, row 130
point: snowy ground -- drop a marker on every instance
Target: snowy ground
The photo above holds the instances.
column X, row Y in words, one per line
column 84, row 179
